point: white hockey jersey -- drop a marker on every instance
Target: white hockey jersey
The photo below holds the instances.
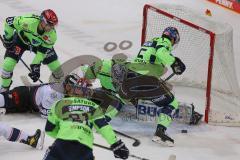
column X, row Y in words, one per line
column 45, row 97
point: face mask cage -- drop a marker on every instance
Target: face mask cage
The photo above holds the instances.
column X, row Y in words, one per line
column 81, row 88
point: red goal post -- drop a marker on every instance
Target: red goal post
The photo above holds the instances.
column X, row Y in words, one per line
column 206, row 48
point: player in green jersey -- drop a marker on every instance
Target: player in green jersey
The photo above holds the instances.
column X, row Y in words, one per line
column 71, row 120
column 140, row 79
column 35, row 33
column 157, row 54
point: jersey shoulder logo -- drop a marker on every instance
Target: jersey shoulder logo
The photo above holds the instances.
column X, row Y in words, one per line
column 147, row 44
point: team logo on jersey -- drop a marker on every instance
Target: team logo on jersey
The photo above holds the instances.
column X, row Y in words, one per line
column 35, row 42
column 147, row 44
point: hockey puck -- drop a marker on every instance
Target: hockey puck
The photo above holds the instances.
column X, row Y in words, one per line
column 184, row 131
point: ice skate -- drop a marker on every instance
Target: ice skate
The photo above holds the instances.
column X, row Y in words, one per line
column 162, row 138
column 196, row 118
column 37, row 140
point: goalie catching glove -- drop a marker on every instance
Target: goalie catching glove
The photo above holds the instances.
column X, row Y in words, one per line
column 120, row 150
column 178, row 66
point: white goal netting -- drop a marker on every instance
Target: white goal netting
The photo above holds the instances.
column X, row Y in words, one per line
column 206, row 47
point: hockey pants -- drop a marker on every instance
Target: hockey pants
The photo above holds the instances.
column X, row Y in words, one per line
column 68, row 150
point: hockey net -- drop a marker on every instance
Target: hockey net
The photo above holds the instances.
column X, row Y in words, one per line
column 206, row 47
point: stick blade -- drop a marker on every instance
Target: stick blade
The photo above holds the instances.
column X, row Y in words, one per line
column 136, row 143
column 25, row 80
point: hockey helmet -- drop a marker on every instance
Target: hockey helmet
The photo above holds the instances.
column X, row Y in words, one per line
column 75, row 85
column 49, row 17
column 71, row 79
column 172, row 33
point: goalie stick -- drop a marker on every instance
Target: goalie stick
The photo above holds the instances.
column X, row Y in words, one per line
column 130, row 155
column 136, row 141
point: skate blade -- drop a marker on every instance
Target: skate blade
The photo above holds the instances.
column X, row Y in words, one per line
column 166, row 143
column 41, row 141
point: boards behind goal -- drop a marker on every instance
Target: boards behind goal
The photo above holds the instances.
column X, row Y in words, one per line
column 206, row 47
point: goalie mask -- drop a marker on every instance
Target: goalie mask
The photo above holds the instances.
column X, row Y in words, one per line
column 172, row 34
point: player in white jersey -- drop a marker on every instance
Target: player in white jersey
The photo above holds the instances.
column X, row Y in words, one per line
column 23, row 99
column 16, row 135
column 30, row 99
column 27, row 99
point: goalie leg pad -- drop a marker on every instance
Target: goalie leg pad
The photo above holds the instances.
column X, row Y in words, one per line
column 168, row 110
column 143, row 87
column 186, row 114
column 164, row 100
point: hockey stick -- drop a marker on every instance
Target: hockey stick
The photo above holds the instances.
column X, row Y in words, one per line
column 20, row 59
column 136, row 141
column 130, row 155
column 169, row 77
column 29, row 68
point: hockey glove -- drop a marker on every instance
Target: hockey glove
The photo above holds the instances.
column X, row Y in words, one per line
column 178, row 66
column 8, row 43
column 35, row 72
column 120, row 150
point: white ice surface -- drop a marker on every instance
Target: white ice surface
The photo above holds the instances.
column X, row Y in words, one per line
column 84, row 28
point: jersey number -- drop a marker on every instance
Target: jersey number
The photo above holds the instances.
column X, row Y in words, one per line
column 141, row 52
column 81, row 118
column 10, row 20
